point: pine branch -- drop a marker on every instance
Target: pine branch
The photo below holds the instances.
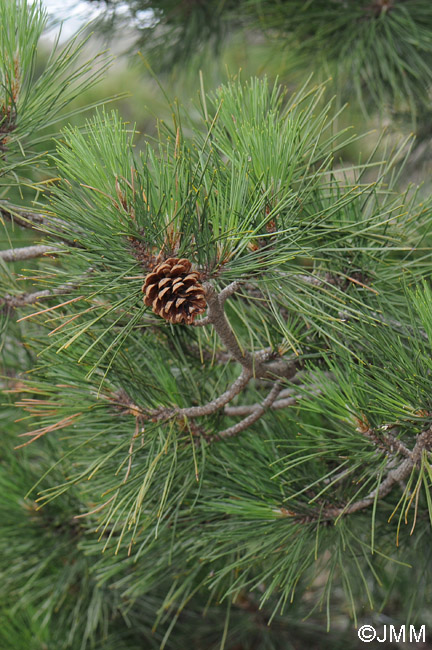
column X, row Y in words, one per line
column 286, row 399
column 254, row 365
column 250, row 419
column 27, row 253
column 394, row 476
column 253, row 412
column 253, row 362
column 397, row 325
column 387, row 441
column 216, row 317
column 30, row 298
column 22, row 217
column 206, row 409
column 26, row 298
column 35, row 221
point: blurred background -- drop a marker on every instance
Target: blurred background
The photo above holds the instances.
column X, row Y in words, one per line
column 220, row 42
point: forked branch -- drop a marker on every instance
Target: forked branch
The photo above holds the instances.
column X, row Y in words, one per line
column 205, row 409
column 259, row 362
column 250, row 419
column 394, row 476
column 257, row 365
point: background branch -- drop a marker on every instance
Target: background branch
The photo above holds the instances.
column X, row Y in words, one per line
column 24, row 218
column 394, row 476
column 30, row 298
column 27, row 253
column 36, row 221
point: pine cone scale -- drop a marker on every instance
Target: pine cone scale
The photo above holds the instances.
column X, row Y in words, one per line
column 178, row 268
column 191, row 289
column 151, row 292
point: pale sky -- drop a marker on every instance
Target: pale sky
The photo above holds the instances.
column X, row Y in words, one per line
column 73, row 13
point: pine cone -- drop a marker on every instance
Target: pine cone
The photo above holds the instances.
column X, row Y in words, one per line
column 174, row 292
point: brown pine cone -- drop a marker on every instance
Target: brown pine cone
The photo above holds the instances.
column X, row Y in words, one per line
column 174, row 292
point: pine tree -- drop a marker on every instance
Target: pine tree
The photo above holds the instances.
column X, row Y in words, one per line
column 216, row 381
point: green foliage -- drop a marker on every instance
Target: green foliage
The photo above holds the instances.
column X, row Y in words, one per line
column 109, row 362
column 379, row 50
column 30, row 101
column 33, row 99
column 248, row 480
